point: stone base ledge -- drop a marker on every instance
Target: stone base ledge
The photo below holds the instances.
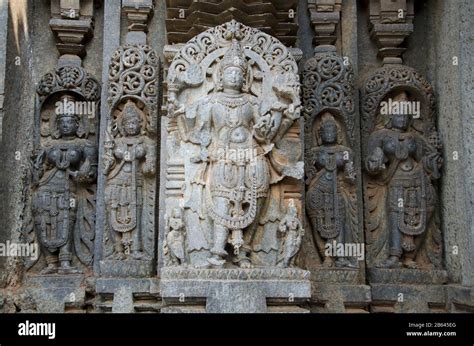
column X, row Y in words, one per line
column 329, row 275
column 409, row 298
column 264, row 273
column 340, row 298
column 407, row 276
column 134, row 285
column 233, row 290
column 127, row 268
column 52, row 293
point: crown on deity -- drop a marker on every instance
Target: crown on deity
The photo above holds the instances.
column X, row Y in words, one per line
column 234, row 57
column 130, row 112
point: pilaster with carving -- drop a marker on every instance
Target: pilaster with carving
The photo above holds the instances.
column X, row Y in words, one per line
column 332, row 153
column 402, row 160
column 129, row 161
column 61, row 201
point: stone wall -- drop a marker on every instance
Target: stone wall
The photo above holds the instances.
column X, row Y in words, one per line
column 151, row 264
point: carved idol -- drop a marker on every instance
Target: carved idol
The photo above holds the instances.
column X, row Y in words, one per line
column 129, row 158
column 405, row 163
column 238, row 174
column 176, row 238
column 293, row 232
column 60, row 166
column 230, row 140
column 329, row 197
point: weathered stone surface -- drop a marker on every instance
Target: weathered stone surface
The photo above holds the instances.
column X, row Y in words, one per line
column 127, row 268
column 390, row 23
column 184, row 273
column 404, row 276
column 460, row 298
column 185, row 19
column 3, row 51
column 52, row 293
column 340, row 297
column 123, row 300
column 136, row 285
column 408, row 298
column 129, row 160
column 403, row 160
column 331, row 171
column 240, row 191
column 435, row 38
column 235, row 290
column 328, row 275
column 59, row 217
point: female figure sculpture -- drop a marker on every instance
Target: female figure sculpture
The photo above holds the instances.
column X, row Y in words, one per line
column 329, row 201
column 128, row 160
column 60, row 165
column 406, row 163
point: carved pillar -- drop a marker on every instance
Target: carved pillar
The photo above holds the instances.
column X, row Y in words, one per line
column 61, row 217
column 325, row 16
column 402, row 161
column 390, row 23
column 232, row 218
column 72, row 22
column 3, row 53
column 332, row 157
column 128, row 159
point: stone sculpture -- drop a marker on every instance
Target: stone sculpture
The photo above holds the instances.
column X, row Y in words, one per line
column 330, row 162
column 403, row 162
column 129, row 162
column 233, row 102
column 175, row 242
column 293, row 232
column 64, row 170
column 330, row 194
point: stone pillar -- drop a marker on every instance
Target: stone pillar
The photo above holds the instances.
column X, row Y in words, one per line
column 59, row 196
column 3, row 55
column 334, row 215
column 129, row 161
column 402, row 210
column 452, row 53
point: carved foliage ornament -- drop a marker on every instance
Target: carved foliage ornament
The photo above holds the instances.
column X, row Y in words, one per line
column 328, row 87
column 69, row 78
column 133, row 74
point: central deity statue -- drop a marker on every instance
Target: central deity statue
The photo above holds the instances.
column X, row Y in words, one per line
column 238, row 176
column 239, row 154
